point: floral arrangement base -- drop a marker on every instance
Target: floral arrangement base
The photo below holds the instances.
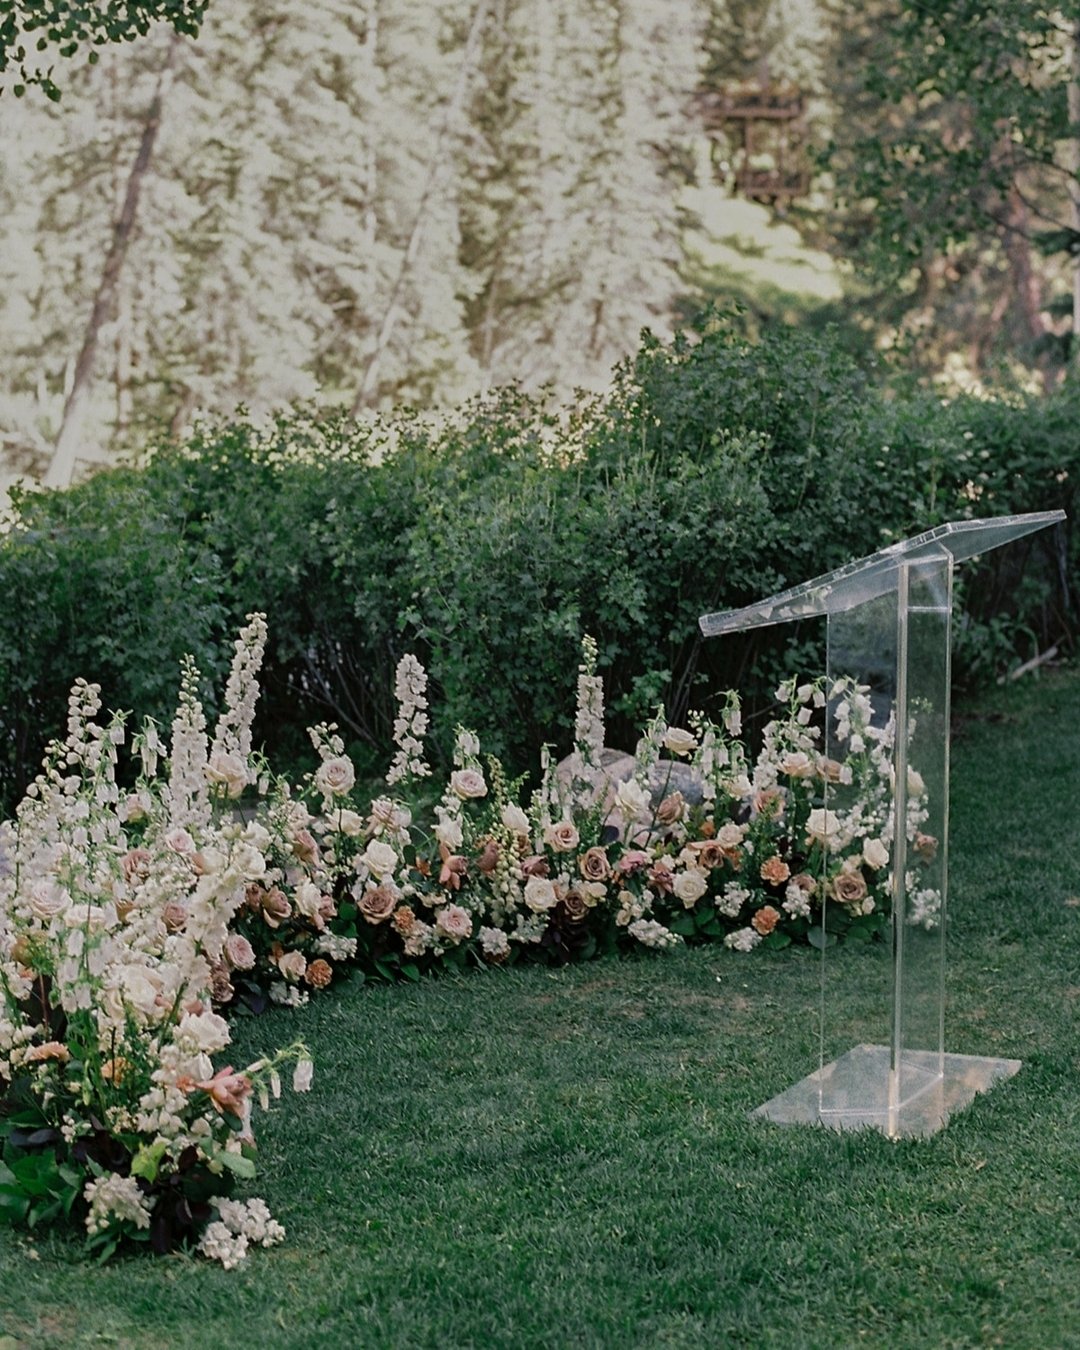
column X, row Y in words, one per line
column 864, row 1089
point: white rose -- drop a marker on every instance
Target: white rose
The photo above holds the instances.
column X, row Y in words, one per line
column 448, row 832
column 730, row 835
column 631, row 799
column 822, row 827
column 679, row 742
column 349, row 823
column 307, row 898
column 690, row 886
column 336, row 776
column 380, row 858
column 875, row 854
column 797, row 764
column 514, row 818
column 227, row 771
column 540, row 894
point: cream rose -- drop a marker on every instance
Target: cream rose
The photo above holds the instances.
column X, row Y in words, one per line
column 227, row 771
column 730, row 835
column 679, row 742
column 292, row 965
column 334, row 777
column 797, row 764
column 454, row 923
column 631, row 799
column 875, row 854
column 690, row 886
column 379, row 858
column 348, row 822
column 540, row 895
column 468, row 783
column 822, row 827
column 515, row 819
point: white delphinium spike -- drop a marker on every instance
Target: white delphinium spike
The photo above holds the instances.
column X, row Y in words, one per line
column 231, row 749
column 411, row 722
column 187, row 795
column 588, row 726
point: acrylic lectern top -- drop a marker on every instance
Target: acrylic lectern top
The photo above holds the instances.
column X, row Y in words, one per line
column 867, row 578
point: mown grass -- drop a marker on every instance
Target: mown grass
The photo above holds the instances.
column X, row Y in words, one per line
column 563, row 1158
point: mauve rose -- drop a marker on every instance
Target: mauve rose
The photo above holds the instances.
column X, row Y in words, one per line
column 275, row 907
column 775, row 870
column 305, row 847
column 489, row 857
column 661, row 876
column 805, row 882
column 468, row 783
column 174, row 916
column 849, row 888
column 378, row 903
column 253, row 896
column 179, row 840
column 221, row 990
column 454, row 923
column 534, row 866
column 319, row 973
column 633, row 860
column 562, row 836
column 135, row 864
column 765, row 920
column 593, row 864
column 708, row 853
column 829, row 769
column 334, row 777
column 239, row 952
column 292, row 965
column 575, row 905
column 671, row 809
column 925, row 846
column 227, row 771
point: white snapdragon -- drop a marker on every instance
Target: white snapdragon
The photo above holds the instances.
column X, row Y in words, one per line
column 411, row 723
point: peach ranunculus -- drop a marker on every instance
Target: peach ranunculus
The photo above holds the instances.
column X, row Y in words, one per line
column 319, row 973
column 765, row 920
column 593, row 864
column 48, row 1050
column 228, row 1090
column 378, row 903
column 454, row 923
column 453, row 870
column 775, row 870
column 562, row 837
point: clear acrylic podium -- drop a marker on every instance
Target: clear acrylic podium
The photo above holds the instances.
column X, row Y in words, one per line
column 888, row 627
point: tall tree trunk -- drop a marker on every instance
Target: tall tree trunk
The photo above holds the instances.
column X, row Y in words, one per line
column 1074, row 186
column 69, row 438
column 369, row 382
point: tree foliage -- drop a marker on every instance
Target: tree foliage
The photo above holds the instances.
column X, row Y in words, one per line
column 33, row 32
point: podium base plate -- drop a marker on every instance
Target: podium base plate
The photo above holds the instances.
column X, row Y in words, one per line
column 859, row 1090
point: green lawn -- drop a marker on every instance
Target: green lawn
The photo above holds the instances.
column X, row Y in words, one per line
column 563, row 1158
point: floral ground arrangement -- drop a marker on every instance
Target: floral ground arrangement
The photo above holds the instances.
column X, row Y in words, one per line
column 134, row 922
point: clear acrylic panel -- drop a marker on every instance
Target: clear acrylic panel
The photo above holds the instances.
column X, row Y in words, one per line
column 890, row 657
column 858, row 582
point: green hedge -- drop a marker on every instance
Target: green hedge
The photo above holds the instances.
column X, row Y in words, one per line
column 715, row 471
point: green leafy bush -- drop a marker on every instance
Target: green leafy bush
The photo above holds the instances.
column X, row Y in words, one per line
column 713, row 472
